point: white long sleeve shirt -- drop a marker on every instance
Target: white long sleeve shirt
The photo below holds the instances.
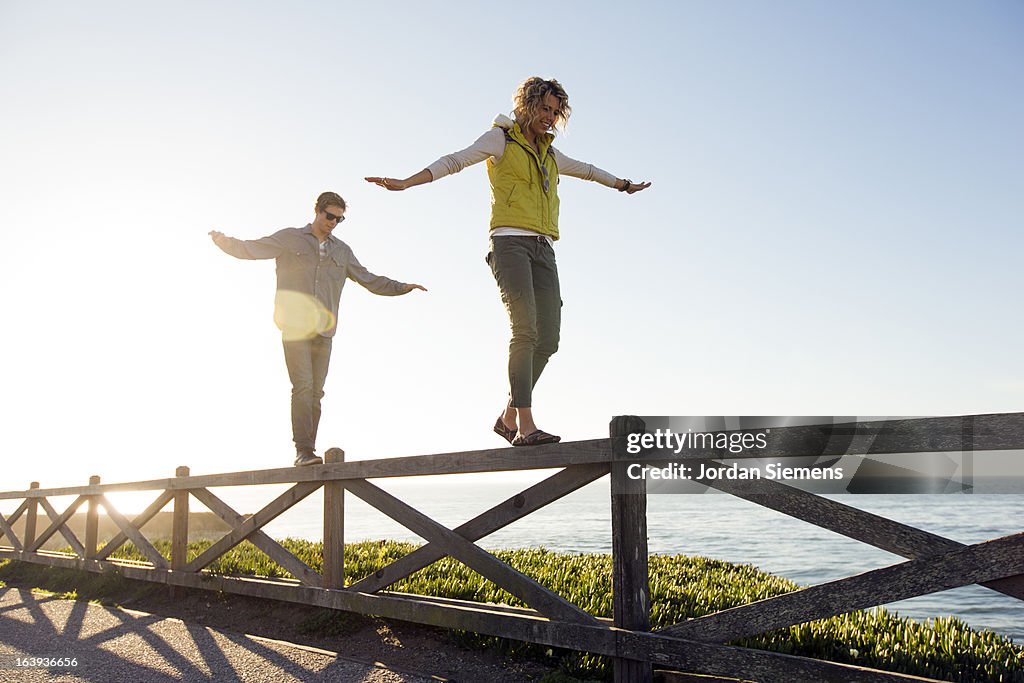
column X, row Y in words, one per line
column 492, row 144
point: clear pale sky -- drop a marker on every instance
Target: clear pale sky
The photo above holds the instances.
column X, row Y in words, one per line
column 834, row 225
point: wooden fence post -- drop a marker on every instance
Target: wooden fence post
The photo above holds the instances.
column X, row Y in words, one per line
column 92, row 522
column 31, row 517
column 334, row 525
column 630, row 587
column 179, row 528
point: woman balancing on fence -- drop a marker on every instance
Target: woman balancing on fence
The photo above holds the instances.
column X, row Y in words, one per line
column 523, row 169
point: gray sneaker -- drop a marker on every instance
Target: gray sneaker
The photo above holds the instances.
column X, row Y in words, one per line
column 307, row 458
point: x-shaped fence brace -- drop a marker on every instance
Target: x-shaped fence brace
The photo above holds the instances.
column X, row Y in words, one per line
column 936, row 563
column 441, row 541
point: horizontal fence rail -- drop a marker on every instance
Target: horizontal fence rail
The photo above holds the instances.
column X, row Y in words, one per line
column 698, row 645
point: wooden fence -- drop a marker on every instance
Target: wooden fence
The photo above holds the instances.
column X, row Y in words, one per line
column 697, row 646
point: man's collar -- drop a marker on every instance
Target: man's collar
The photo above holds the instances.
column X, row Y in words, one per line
column 308, row 230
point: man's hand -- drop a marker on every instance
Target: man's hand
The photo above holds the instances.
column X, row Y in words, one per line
column 410, row 287
column 216, row 236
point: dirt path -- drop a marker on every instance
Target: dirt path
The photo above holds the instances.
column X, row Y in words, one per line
column 200, row 637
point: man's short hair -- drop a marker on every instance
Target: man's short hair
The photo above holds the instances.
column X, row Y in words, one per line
column 329, row 199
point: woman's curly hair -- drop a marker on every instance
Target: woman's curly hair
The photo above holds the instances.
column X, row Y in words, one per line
column 530, row 95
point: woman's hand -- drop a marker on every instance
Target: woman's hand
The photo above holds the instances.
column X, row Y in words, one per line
column 636, row 187
column 396, row 184
column 393, row 184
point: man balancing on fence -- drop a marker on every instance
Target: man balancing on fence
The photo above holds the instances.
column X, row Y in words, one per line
column 312, row 266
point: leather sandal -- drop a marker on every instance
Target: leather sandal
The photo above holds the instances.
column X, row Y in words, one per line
column 504, row 432
column 538, row 438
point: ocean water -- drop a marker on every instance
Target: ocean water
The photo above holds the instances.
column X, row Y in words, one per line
column 713, row 525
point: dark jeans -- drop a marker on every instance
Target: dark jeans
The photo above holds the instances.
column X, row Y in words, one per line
column 307, row 361
column 525, row 270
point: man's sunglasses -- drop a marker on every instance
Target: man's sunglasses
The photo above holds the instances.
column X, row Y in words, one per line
column 331, row 217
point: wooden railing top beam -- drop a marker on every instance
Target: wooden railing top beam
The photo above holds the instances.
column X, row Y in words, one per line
column 993, row 432
column 492, row 460
column 1000, row 431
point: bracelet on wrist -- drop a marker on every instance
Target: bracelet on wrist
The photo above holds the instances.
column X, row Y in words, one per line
column 626, row 184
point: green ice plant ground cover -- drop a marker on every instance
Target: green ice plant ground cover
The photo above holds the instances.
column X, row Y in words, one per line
column 681, row 588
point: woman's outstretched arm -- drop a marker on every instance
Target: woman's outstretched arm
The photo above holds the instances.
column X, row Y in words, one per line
column 584, row 171
column 396, row 184
column 490, row 144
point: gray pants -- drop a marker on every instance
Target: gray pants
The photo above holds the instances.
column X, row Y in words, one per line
column 526, row 273
column 307, row 361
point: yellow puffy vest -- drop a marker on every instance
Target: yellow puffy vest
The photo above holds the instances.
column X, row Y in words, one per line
column 518, row 195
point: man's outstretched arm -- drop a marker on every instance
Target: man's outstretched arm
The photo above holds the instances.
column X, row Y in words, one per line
column 378, row 284
column 263, row 248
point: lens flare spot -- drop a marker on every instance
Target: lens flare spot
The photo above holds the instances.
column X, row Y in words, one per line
column 301, row 316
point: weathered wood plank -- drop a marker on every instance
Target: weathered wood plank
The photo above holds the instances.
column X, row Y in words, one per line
column 243, row 528
column 473, row 556
column 179, row 529
column 1004, row 431
column 92, row 522
column 690, row 655
column 469, row 604
column 126, row 527
column 57, row 523
column 1000, row 431
column 179, row 523
column 892, row 536
column 665, row 676
column 138, row 522
column 630, row 581
column 26, row 504
column 501, row 515
column 7, row 524
column 6, row 530
column 738, row 662
column 31, row 506
column 980, row 562
column 492, row 460
column 334, row 525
